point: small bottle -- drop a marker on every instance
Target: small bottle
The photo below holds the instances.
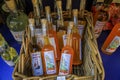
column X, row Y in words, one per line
column 61, row 29
column 35, row 53
column 67, row 54
column 52, row 34
column 113, row 41
column 48, row 52
column 76, row 40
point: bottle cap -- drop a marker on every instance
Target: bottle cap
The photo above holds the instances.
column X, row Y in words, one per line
column 75, row 12
column 59, row 3
column 47, row 9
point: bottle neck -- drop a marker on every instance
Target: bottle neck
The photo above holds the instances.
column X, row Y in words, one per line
column 75, row 19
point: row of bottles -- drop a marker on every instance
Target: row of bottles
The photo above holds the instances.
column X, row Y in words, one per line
column 45, row 60
column 59, row 46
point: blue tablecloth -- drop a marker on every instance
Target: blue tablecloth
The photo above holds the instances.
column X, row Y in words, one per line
column 111, row 63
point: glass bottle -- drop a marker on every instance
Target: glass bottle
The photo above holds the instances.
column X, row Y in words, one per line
column 113, row 41
column 61, row 29
column 35, row 53
column 67, row 54
column 48, row 52
column 52, row 34
column 17, row 21
column 76, row 40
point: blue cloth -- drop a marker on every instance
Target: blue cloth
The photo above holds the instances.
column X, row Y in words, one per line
column 5, row 70
column 111, row 63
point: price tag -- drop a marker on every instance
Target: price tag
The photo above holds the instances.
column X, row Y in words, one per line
column 100, row 0
column 61, row 78
column 116, row 1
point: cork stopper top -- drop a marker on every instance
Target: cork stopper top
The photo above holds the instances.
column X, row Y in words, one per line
column 75, row 12
column 47, row 9
column 59, row 3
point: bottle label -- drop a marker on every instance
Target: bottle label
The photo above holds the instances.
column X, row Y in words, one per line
column 50, row 62
column 64, row 39
column 64, row 64
column 98, row 28
column 37, row 64
column 115, row 43
column 18, row 35
column 81, row 28
column 39, row 37
column 52, row 42
column 61, row 78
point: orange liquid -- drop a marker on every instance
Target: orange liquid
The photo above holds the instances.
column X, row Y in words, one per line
column 44, row 49
column 71, row 52
column 115, row 32
column 53, row 34
column 76, row 47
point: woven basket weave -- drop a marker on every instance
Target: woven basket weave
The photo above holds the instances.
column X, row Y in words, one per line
column 91, row 68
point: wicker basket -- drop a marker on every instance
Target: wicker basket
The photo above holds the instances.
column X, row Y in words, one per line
column 91, row 68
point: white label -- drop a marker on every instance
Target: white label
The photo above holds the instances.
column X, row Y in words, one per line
column 18, row 35
column 65, row 64
column 50, row 62
column 37, row 64
column 98, row 28
column 52, row 42
column 61, row 78
column 81, row 28
column 54, row 27
column 115, row 43
column 39, row 36
column 64, row 40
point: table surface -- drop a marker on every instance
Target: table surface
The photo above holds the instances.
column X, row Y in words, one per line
column 111, row 63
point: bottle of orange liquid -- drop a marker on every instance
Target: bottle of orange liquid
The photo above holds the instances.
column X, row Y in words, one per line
column 61, row 29
column 48, row 52
column 113, row 40
column 76, row 40
column 52, row 34
column 67, row 54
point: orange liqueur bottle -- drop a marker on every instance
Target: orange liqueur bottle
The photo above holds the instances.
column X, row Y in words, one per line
column 76, row 40
column 52, row 34
column 113, row 40
column 48, row 52
column 67, row 55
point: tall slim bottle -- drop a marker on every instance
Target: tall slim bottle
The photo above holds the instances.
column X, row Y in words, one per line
column 76, row 40
column 35, row 53
column 48, row 52
column 61, row 29
column 52, row 34
column 67, row 54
